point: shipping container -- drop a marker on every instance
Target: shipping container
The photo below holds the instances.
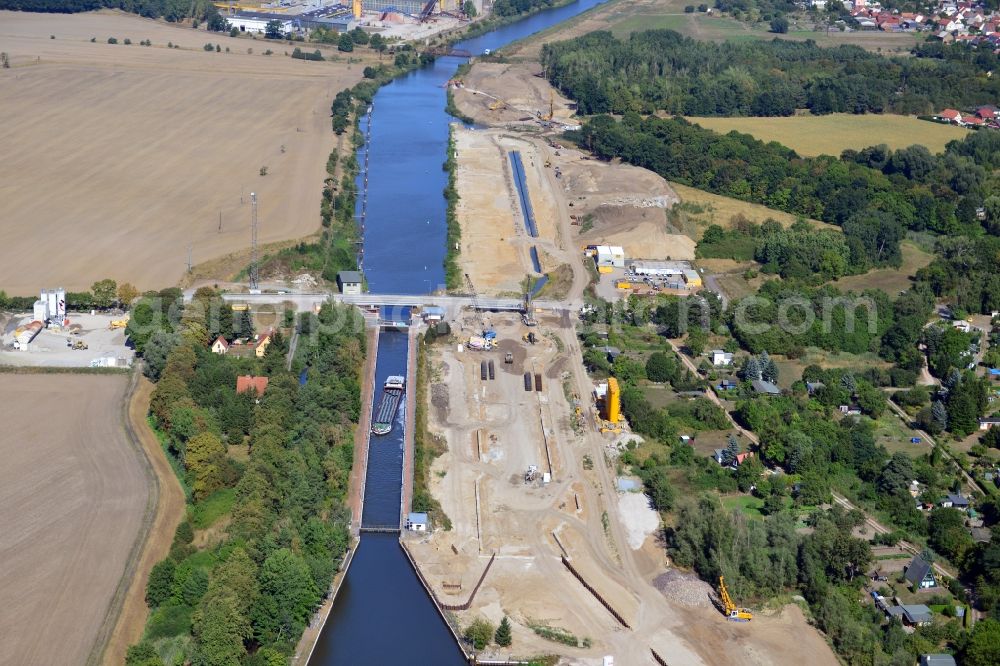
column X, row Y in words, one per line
column 482, row 371
column 538, row 382
column 527, row 381
column 492, row 371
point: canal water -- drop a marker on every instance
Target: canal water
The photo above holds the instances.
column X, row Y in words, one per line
column 382, row 615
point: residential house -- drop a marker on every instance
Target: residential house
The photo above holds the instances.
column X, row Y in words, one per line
column 246, row 383
column 742, row 457
column 764, row 387
column 937, row 660
column 721, row 358
column 851, row 410
column 720, row 456
column 220, row 346
column 255, row 347
column 955, row 502
column 951, row 115
column 416, row 522
column 989, row 422
column 915, row 615
column 612, row 353
column 727, row 384
column 920, row 574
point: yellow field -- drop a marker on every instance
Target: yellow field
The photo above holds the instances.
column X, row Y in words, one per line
column 704, row 209
column 829, row 135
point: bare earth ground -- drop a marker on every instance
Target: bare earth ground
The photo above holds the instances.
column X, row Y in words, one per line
column 72, row 496
column 170, row 510
column 117, row 158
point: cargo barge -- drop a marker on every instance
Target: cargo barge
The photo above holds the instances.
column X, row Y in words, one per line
column 385, row 415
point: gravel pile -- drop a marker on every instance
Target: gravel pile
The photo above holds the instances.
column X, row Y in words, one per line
column 685, row 588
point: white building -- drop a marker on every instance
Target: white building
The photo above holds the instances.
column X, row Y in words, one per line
column 664, row 269
column 611, row 255
column 721, row 358
column 349, row 282
column 416, row 522
column 254, row 22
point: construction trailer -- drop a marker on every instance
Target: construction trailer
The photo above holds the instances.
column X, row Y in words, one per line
column 610, row 256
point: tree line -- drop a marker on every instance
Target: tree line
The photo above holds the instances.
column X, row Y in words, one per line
column 661, row 70
column 171, row 10
column 246, row 595
column 870, row 193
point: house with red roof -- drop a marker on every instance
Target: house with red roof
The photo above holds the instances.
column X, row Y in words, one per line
column 951, row 115
column 246, row 383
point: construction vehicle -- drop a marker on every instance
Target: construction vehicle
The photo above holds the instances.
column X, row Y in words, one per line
column 508, row 358
column 530, row 337
column 548, row 116
column 488, row 333
column 118, row 323
column 729, row 609
column 498, row 104
column 527, row 318
column 78, row 345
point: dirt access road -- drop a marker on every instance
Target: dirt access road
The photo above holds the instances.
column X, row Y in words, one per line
column 170, row 510
column 118, row 158
column 73, row 493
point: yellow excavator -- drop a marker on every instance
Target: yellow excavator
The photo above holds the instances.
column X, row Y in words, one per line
column 730, row 609
column 498, row 104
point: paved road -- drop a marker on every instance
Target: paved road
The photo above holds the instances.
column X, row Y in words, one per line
column 307, row 300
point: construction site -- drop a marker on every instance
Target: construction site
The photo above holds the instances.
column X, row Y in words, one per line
column 49, row 337
column 557, row 202
column 543, row 530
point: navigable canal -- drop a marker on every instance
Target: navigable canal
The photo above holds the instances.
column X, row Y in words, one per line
column 382, row 615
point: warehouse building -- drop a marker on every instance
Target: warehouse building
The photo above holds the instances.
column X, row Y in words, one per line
column 256, row 22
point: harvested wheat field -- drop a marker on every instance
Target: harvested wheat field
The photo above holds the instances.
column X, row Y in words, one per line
column 118, row 157
column 73, row 493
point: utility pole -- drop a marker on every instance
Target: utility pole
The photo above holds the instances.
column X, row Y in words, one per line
column 220, row 221
column 189, row 258
column 254, row 286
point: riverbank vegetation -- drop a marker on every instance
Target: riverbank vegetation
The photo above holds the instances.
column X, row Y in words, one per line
column 267, row 474
column 426, row 445
column 452, row 271
column 660, row 70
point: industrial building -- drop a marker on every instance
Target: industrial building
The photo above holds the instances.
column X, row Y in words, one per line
column 256, row 22
column 50, row 306
column 338, row 18
column 664, row 269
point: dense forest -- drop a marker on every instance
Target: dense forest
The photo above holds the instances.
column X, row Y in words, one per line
column 660, row 70
column 274, row 467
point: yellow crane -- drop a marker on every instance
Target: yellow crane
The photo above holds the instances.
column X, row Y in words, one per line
column 729, row 608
